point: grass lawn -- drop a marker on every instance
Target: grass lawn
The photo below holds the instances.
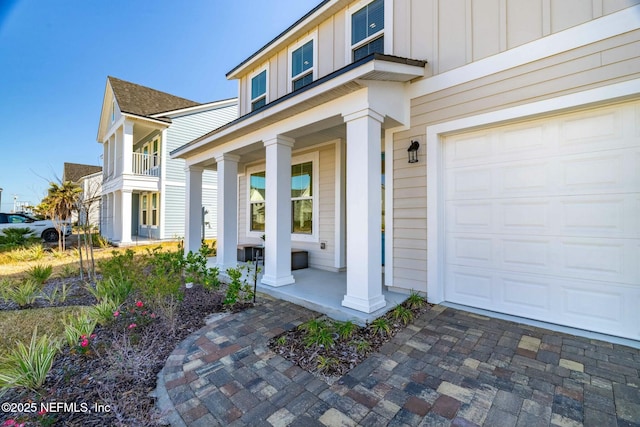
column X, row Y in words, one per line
column 18, row 325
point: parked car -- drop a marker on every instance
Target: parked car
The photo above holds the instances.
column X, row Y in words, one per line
column 43, row 228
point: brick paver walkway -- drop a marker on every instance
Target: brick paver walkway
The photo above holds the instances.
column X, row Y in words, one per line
column 449, row 368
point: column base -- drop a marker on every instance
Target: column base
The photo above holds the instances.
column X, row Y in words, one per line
column 277, row 281
column 364, row 305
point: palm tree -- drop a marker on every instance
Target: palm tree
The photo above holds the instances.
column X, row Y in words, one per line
column 60, row 203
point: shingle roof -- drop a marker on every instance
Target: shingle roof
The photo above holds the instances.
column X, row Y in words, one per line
column 144, row 101
column 74, row 171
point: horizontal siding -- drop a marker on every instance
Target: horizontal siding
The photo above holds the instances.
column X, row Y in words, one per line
column 174, row 212
column 209, row 197
column 187, row 128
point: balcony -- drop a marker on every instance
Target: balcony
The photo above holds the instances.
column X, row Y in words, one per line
column 145, row 164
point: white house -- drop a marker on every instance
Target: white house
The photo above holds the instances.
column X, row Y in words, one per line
column 525, row 196
column 143, row 192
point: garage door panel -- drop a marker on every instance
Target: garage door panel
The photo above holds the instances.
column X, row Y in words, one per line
column 542, row 219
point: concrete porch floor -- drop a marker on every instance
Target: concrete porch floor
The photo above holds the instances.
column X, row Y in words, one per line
column 322, row 291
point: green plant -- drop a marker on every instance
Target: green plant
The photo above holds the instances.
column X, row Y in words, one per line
column 16, row 236
column 114, row 289
column 318, row 333
column 381, row 326
column 282, row 340
column 362, row 346
column 346, row 329
column 121, row 266
column 30, row 253
column 402, row 314
column 415, row 301
column 103, row 311
column 23, row 294
column 238, row 291
column 324, row 364
column 68, row 270
column 40, row 273
column 28, row 366
column 75, row 326
column 98, row 241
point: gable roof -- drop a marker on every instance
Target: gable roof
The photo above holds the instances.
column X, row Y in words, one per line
column 74, row 171
column 143, row 101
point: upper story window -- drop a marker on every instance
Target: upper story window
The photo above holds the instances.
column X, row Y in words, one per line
column 259, row 90
column 302, row 65
column 113, row 111
column 367, row 30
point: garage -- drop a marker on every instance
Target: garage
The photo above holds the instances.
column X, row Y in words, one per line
column 541, row 219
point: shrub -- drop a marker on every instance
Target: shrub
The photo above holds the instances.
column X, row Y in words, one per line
column 381, row 326
column 16, row 236
column 40, row 273
column 121, row 266
column 76, row 326
column 318, row 333
column 326, row 363
column 238, row 290
column 103, row 311
column 415, row 301
column 402, row 314
column 23, row 294
column 28, row 366
column 29, row 253
column 114, row 289
column 346, row 329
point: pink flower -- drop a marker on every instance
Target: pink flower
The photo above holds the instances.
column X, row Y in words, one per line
column 93, row 336
column 152, row 315
column 10, row 423
column 116, row 313
column 84, row 343
column 133, row 325
column 83, row 337
column 139, row 304
column 42, row 412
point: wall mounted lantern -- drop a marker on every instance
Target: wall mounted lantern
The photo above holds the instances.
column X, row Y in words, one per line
column 413, row 151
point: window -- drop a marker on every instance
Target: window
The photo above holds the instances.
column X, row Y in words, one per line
column 113, row 111
column 149, row 209
column 302, row 65
column 145, row 208
column 155, row 160
column 256, row 200
column 304, row 206
column 302, row 198
column 154, row 210
column 367, row 25
column 259, row 90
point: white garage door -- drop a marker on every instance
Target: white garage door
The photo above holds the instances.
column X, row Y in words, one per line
column 543, row 219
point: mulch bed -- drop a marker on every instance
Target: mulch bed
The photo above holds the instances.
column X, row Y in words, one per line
column 119, row 380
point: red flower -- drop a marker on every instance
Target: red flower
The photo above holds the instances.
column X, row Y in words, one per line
column 42, row 412
column 84, row 343
column 133, row 325
column 139, row 304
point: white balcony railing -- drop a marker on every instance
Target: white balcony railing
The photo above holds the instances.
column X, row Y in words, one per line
column 145, row 164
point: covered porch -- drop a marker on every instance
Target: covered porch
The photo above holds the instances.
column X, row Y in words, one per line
column 322, row 291
column 304, row 172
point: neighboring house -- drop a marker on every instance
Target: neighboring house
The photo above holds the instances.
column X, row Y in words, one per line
column 525, row 196
column 143, row 191
column 89, row 178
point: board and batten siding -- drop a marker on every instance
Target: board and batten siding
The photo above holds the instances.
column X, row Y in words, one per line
column 598, row 64
column 318, row 258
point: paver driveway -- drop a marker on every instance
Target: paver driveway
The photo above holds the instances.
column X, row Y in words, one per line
column 449, row 368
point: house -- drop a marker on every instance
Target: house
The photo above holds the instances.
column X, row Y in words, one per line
column 89, row 179
column 143, row 189
column 503, row 137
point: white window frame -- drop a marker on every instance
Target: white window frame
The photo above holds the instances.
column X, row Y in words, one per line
column 387, row 32
column 314, row 69
column 314, row 158
column 149, row 216
column 265, row 67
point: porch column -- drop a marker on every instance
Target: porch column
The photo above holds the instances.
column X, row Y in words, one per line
column 277, row 253
column 193, row 206
column 127, row 147
column 364, row 212
column 125, row 215
column 227, row 205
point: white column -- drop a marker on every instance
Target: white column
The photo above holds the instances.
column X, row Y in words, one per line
column 127, row 147
column 227, row 205
column 364, row 212
column 277, row 254
column 193, row 206
column 340, row 207
column 125, row 215
column 117, row 216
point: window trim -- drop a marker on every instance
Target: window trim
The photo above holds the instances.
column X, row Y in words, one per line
column 314, row 158
column 313, row 37
column 148, row 217
column 386, row 32
column 252, row 100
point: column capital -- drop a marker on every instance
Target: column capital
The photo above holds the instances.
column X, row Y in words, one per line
column 227, row 157
column 280, row 140
column 367, row 112
column 193, row 168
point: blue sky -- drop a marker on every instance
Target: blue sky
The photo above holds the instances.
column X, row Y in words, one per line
column 55, row 56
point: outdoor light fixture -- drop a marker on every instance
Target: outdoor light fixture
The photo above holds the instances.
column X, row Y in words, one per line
column 413, row 151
